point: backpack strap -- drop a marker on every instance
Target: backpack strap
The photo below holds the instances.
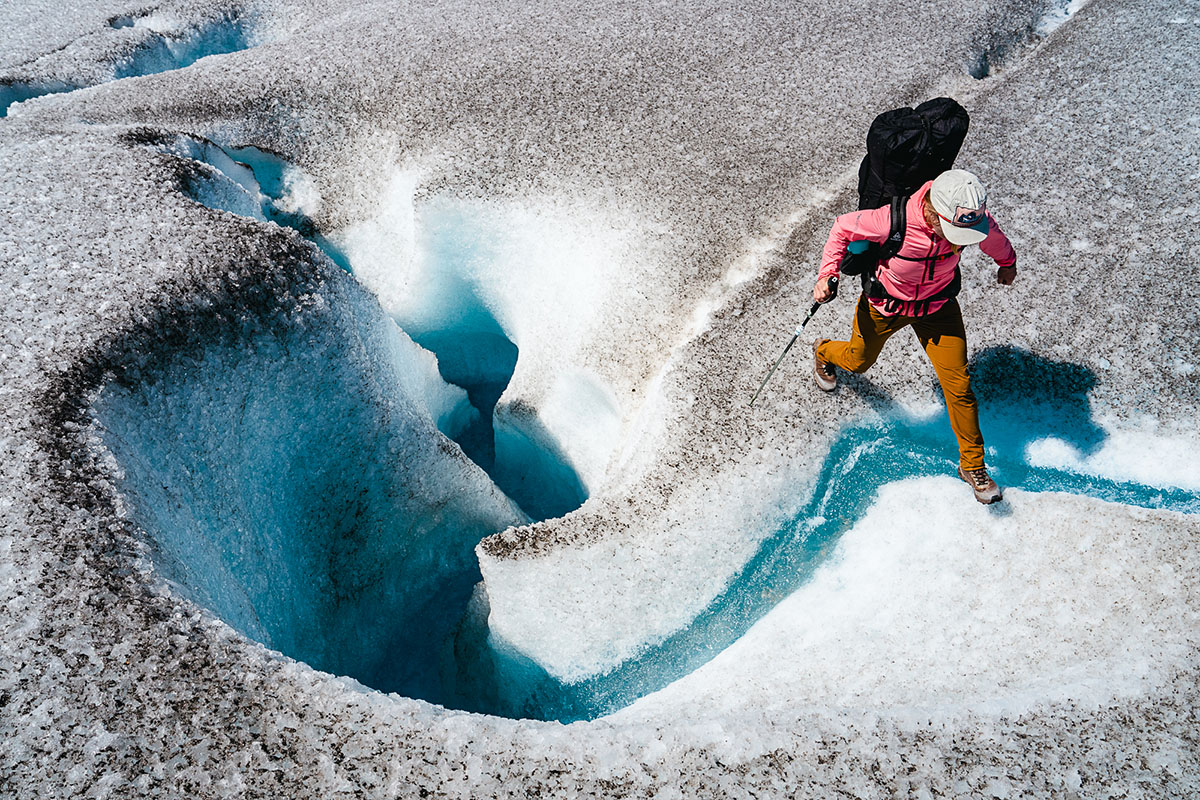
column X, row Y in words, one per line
column 889, row 249
column 951, row 290
column 921, row 307
column 895, row 239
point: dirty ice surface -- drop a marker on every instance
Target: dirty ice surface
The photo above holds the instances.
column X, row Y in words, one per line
column 363, row 366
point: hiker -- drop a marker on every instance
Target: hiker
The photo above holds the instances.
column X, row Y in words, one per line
column 917, row 287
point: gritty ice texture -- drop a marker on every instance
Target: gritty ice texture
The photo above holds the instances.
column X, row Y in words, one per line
column 50, row 52
column 607, row 214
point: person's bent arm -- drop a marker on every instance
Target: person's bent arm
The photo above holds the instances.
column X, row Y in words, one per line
column 873, row 225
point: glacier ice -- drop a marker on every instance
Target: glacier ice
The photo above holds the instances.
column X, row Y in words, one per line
column 250, row 182
column 974, row 583
column 645, row 185
column 130, row 45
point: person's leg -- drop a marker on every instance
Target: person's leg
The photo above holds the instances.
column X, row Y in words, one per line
column 871, row 330
column 944, row 338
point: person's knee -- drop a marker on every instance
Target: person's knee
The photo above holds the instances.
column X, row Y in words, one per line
column 858, row 359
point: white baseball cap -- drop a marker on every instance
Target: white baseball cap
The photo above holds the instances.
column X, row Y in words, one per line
column 961, row 201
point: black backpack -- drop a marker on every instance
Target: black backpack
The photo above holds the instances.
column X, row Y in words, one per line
column 905, row 148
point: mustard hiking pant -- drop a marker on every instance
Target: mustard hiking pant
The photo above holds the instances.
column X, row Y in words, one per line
column 944, row 339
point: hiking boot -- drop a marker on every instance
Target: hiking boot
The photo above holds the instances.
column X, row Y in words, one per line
column 823, row 373
column 986, row 490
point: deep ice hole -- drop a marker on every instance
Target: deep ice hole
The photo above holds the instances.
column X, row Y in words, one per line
column 291, row 476
column 285, row 464
column 448, row 317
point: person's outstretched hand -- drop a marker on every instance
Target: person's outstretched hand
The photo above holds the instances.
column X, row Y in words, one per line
column 1006, row 275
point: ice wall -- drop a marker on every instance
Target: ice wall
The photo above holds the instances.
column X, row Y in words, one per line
column 291, row 479
column 466, row 277
column 448, row 267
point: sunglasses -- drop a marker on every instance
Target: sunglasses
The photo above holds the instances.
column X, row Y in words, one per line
column 964, row 217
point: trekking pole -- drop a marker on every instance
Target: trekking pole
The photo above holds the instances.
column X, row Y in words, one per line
column 833, row 286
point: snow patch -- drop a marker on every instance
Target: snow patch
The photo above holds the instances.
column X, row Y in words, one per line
column 383, row 248
column 1058, row 16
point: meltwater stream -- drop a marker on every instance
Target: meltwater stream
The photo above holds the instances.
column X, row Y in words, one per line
column 1023, row 399
column 291, row 480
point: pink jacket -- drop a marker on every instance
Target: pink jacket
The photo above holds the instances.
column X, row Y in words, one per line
column 924, row 266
